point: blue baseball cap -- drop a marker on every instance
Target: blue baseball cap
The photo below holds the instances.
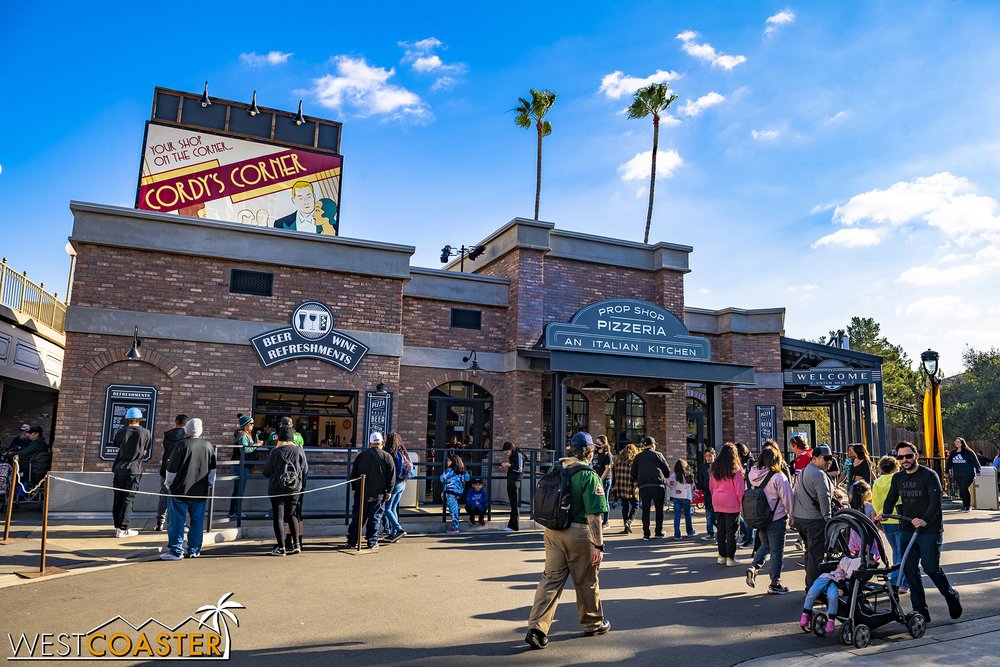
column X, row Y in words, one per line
column 133, row 413
column 581, row 439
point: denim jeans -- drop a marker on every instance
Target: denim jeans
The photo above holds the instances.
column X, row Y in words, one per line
column 374, row 512
column 392, row 508
column 746, row 533
column 709, row 517
column 772, row 541
column 178, row 513
column 927, row 550
column 452, row 501
column 239, row 487
column 894, row 535
column 607, row 494
column 682, row 506
column 818, row 587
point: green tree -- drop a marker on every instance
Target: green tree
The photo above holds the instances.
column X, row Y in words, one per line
column 970, row 402
column 651, row 100
column 901, row 384
column 532, row 112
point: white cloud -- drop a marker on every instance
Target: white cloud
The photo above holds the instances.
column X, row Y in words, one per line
column 707, row 52
column 932, row 307
column 784, row 17
column 364, row 90
column 270, row 58
column 850, row 238
column 422, row 59
column 639, row 166
column 819, row 208
column 765, row 135
column 839, row 117
column 704, row 102
column 617, row 85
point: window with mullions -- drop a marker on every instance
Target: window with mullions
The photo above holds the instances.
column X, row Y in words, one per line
column 625, row 418
column 322, row 418
column 577, row 415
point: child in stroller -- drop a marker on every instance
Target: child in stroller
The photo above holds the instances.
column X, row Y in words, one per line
column 856, row 584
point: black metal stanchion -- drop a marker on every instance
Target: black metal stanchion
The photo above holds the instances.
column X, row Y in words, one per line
column 42, row 570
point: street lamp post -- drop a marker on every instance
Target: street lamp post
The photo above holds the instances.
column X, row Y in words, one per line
column 934, row 439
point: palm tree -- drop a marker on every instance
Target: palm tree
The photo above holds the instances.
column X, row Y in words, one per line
column 653, row 99
column 533, row 111
column 220, row 611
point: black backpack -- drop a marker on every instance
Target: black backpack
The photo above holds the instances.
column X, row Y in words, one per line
column 757, row 511
column 552, row 496
column 289, row 478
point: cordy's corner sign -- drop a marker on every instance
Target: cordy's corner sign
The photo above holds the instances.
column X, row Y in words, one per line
column 831, row 375
column 311, row 336
column 627, row 327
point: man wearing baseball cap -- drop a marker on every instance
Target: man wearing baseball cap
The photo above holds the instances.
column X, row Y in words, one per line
column 379, row 470
column 812, row 506
column 133, row 443
column 21, row 438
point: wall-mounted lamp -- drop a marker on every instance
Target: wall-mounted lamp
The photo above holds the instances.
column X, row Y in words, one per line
column 204, row 101
column 299, row 118
column 380, row 389
column 474, row 366
column 596, row 385
column 659, row 390
column 133, row 354
column 253, row 110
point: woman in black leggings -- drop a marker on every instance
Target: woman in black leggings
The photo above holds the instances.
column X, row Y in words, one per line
column 285, row 469
column 963, row 464
column 514, row 465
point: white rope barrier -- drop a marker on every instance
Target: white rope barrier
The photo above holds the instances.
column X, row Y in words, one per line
column 188, row 497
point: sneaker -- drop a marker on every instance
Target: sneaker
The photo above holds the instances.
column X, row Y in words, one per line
column 508, row 529
column 628, row 529
column 733, row 562
column 159, row 526
column 195, row 554
column 536, row 639
column 602, row 629
column 804, row 621
column 721, row 560
column 745, row 544
column 482, row 522
column 472, row 521
column 373, row 546
column 292, row 551
column 278, row 551
column 777, row 589
column 349, row 545
column 660, row 536
column 170, row 555
column 954, row 605
column 646, row 538
column 396, row 537
column 830, row 627
column 798, row 544
column 126, row 533
column 288, row 542
column 752, row 577
column 708, row 538
column 453, row 531
column 677, row 538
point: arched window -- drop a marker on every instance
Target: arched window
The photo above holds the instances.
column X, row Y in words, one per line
column 625, row 418
column 577, row 414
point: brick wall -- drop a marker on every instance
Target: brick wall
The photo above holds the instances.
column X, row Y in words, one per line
column 427, row 323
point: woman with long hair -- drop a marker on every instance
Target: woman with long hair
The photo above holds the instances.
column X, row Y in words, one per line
column 514, row 465
column 746, row 533
column 769, row 475
column 404, row 466
column 963, row 464
column 727, row 485
column 623, row 488
column 861, row 467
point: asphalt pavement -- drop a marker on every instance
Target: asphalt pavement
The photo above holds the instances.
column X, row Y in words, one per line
column 461, row 599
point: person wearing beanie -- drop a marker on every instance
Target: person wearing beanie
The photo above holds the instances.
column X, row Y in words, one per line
column 133, row 444
column 243, row 441
column 190, row 475
column 650, row 472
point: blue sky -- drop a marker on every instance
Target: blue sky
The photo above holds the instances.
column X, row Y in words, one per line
column 836, row 159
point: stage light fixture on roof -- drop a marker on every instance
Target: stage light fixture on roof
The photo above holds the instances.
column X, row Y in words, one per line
column 299, row 118
column 204, row 101
column 252, row 109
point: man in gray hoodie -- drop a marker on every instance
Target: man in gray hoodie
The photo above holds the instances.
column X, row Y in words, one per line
column 811, row 508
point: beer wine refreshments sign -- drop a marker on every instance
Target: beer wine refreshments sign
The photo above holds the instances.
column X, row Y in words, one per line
column 311, row 336
column 627, row 327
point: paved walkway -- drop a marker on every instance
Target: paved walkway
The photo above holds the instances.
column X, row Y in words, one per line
column 456, row 600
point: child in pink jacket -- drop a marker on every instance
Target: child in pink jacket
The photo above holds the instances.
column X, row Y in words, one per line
column 726, row 484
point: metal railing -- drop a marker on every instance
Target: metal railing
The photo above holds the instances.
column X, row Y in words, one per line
column 334, row 465
column 20, row 293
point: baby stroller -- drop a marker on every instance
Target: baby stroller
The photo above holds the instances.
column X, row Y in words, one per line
column 870, row 601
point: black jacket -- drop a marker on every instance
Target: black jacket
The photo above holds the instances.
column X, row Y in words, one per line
column 192, row 462
column 963, row 464
column 275, row 466
column 379, row 470
column 133, row 443
column 170, row 439
column 650, row 469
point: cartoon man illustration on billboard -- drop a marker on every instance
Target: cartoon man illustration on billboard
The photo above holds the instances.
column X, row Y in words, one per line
column 319, row 217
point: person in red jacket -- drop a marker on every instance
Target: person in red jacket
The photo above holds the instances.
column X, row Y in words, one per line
column 727, row 485
column 803, row 454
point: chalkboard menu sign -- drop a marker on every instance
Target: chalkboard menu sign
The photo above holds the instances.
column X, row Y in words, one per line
column 118, row 399
column 378, row 414
column 767, row 424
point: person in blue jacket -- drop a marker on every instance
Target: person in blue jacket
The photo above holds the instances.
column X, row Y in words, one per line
column 476, row 502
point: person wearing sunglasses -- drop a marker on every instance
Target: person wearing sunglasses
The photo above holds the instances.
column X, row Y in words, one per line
column 919, row 490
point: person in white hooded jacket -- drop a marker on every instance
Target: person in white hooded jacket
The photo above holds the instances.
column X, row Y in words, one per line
column 778, row 491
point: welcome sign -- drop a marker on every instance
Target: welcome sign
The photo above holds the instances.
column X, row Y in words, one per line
column 627, row 327
column 311, row 336
column 206, row 175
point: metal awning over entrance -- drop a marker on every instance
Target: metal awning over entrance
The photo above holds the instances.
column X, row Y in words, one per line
column 846, row 383
column 638, row 367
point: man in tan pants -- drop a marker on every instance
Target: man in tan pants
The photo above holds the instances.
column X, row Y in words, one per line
column 575, row 552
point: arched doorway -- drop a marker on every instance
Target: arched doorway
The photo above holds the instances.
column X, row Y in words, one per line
column 459, row 419
column 625, row 418
column 577, row 415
